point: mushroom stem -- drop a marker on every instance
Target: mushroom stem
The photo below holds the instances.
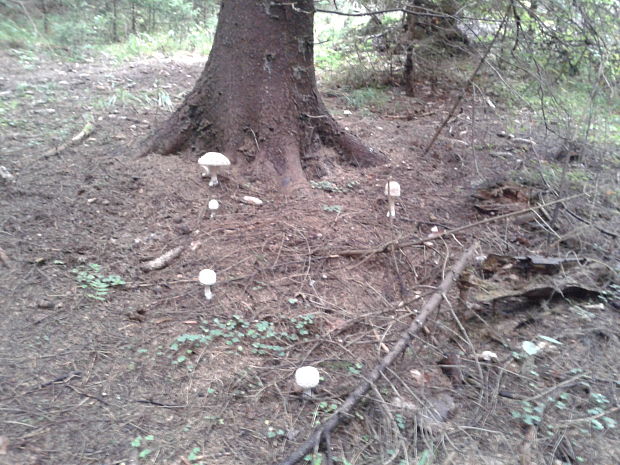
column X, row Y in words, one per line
column 208, row 293
column 214, row 181
column 392, row 211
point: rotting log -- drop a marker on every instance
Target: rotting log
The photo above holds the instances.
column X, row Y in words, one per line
column 324, row 430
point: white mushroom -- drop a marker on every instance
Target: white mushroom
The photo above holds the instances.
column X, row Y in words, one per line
column 207, row 278
column 307, row 378
column 392, row 190
column 213, row 163
column 5, row 174
column 213, row 206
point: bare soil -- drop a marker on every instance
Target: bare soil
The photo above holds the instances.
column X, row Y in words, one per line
column 151, row 372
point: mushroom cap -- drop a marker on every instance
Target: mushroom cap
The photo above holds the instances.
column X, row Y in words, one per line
column 307, row 377
column 392, row 189
column 207, row 277
column 214, row 159
column 213, row 204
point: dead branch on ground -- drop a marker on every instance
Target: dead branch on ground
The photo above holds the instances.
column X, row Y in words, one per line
column 163, row 260
column 86, row 131
column 354, row 397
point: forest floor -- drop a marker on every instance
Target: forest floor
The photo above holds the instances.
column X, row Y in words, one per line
column 102, row 362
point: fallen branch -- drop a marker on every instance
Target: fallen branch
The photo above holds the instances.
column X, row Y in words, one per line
column 162, row 261
column 407, row 336
column 589, row 223
column 86, row 131
column 395, row 243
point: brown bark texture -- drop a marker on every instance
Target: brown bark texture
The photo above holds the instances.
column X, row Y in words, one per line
column 256, row 100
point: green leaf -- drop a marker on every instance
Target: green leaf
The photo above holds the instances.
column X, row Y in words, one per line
column 550, row 339
column 424, row 457
column 531, row 419
column 136, row 442
column 530, row 348
column 144, row 453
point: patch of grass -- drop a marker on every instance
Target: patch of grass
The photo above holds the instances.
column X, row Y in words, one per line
column 16, row 36
column 146, row 99
column 197, row 40
column 367, row 98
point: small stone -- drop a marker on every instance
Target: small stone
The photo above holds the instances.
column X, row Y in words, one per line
column 45, row 304
column 251, row 200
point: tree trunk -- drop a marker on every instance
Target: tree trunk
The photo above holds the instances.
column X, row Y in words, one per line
column 46, row 26
column 115, row 21
column 443, row 29
column 256, row 100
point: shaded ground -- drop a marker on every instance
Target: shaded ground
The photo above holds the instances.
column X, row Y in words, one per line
column 150, row 372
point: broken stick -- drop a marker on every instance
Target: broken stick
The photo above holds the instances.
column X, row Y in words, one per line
column 162, row 261
column 407, row 336
column 86, row 131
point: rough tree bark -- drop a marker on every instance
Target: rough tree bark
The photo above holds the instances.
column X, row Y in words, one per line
column 256, row 100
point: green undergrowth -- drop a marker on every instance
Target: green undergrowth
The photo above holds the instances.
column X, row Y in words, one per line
column 95, row 282
column 196, row 41
column 260, row 337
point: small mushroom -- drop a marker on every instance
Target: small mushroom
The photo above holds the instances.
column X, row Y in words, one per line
column 392, row 190
column 207, row 278
column 213, row 206
column 213, row 163
column 307, row 378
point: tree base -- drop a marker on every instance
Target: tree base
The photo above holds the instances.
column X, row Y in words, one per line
column 256, row 100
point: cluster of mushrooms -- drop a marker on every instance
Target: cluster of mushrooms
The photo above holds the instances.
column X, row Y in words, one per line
column 306, row 377
column 212, row 163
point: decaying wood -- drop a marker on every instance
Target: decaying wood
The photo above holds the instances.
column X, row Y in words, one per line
column 86, row 131
column 162, row 261
column 407, row 336
column 396, row 243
